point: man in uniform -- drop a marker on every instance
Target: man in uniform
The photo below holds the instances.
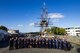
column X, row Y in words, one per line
column 65, row 45
column 39, row 43
column 52, row 43
column 60, row 45
column 11, row 43
column 56, row 43
column 43, row 43
column 16, row 43
column 33, row 43
column 30, row 42
column 22, row 43
column 46, row 43
column 49, row 43
column 25, row 43
column 69, row 46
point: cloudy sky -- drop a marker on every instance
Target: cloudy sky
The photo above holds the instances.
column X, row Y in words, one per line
column 22, row 14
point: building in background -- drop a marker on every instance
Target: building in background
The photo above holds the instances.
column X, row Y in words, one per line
column 13, row 31
column 73, row 31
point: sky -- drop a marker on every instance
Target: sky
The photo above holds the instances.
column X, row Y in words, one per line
column 22, row 14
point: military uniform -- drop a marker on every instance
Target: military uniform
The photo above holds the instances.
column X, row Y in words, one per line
column 46, row 43
column 16, row 43
column 60, row 43
column 69, row 46
column 49, row 43
column 65, row 45
column 11, row 43
column 25, row 43
column 43, row 43
column 52, row 43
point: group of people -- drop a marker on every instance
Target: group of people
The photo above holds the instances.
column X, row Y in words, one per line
column 53, row 43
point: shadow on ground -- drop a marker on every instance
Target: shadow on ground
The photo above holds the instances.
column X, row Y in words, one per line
column 4, row 44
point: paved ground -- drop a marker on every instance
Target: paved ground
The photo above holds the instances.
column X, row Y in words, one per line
column 35, row 50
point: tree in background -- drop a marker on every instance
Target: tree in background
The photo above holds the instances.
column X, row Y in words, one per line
column 56, row 31
column 3, row 28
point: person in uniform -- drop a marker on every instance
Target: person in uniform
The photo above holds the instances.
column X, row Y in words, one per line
column 36, row 43
column 62, row 44
column 25, row 43
column 43, row 43
column 20, row 43
column 69, row 46
column 60, row 41
column 65, row 45
column 30, row 42
column 56, row 43
column 46, row 43
column 49, row 43
column 16, row 43
column 40, row 42
column 11, row 43
column 52, row 43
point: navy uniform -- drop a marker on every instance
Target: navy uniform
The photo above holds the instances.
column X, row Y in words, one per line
column 39, row 42
column 43, row 43
column 57, row 44
column 69, row 46
column 11, row 43
column 46, row 43
column 25, row 43
column 49, row 43
column 16, row 43
column 36, row 43
column 53, row 46
column 65, row 45
column 60, row 43
column 20, row 43
column 33, row 44
column 29, row 42
column 54, row 43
